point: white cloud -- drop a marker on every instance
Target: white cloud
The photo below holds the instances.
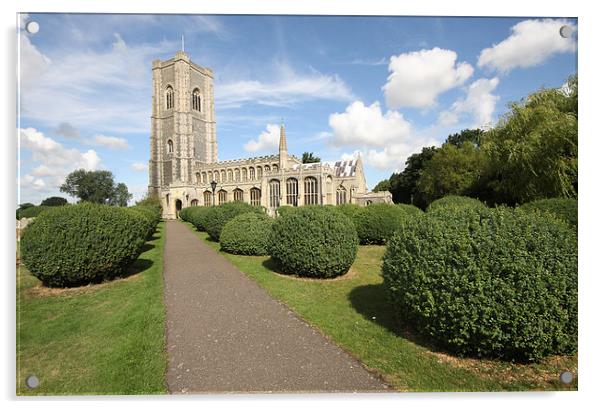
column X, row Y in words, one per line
column 417, row 78
column 367, row 126
column 530, row 43
column 139, row 167
column 479, row 103
column 287, row 88
column 111, row 142
column 266, row 141
column 51, row 161
column 104, row 90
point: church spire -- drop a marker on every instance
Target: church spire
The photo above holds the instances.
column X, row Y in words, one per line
column 282, row 151
column 282, row 145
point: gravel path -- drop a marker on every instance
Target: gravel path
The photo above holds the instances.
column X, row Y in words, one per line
column 226, row 334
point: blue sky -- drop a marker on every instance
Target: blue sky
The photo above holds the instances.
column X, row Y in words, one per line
column 381, row 87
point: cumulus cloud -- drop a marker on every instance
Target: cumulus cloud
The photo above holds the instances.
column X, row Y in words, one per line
column 417, row 78
column 479, row 104
column 384, row 140
column 266, row 141
column 287, row 88
column 111, row 142
column 139, row 167
column 67, row 130
column 530, row 43
column 366, row 125
column 51, row 161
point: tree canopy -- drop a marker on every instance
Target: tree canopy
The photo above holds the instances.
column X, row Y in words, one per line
column 54, row 201
column 96, row 186
column 308, row 157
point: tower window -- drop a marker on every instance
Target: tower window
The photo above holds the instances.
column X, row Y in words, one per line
column 197, row 100
column 169, row 97
column 169, row 146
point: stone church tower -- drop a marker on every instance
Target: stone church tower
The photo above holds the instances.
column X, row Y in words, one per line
column 182, row 121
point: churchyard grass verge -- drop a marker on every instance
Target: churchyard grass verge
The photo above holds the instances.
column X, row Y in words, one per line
column 99, row 339
column 353, row 311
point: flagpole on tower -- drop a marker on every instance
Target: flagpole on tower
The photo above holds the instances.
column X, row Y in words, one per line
column 182, row 42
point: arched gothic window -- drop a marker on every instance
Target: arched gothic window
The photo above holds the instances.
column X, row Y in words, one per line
column 238, row 195
column 251, row 173
column 266, row 169
column 292, row 191
column 244, row 174
column 311, row 190
column 169, row 146
column 237, row 175
column 197, row 177
column 207, row 198
column 341, row 195
column 274, row 193
column 259, row 173
column 169, row 97
column 194, row 202
column 222, row 196
column 255, row 196
column 223, row 176
column 229, row 175
column 275, row 169
column 197, row 100
column 204, row 179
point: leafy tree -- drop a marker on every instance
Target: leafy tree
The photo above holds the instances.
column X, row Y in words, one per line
column 54, row 201
column 532, row 152
column 382, row 186
column 403, row 185
column 473, row 136
column 121, row 196
column 308, row 157
column 452, row 170
column 22, row 207
column 95, row 186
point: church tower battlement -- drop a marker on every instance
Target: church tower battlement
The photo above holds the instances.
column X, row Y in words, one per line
column 182, row 121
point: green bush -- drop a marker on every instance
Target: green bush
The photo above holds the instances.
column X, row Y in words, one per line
column 563, row 208
column 185, row 214
column 85, row 243
column 313, row 241
column 196, row 215
column 498, row 283
column 151, row 216
column 348, row 209
column 32, row 211
column 282, row 210
column 216, row 217
column 376, row 223
column 456, row 201
column 247, row 234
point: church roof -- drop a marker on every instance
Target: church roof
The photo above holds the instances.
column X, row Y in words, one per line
column 344, row 168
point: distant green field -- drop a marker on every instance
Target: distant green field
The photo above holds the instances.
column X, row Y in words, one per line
column 99, row 339
column 354, row 312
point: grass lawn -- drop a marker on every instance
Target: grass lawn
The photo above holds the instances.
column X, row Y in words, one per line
column 354, row 312
column 98, row 339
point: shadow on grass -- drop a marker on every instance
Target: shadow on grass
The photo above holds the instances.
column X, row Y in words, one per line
column 137, row 267
column 372, row 301
column 271, row 265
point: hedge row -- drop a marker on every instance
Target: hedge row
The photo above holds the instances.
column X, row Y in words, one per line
column 32, row 211
column 498, row 282
column 375, row 224
column 86, row 243
column 247, row 234
column 455, row 201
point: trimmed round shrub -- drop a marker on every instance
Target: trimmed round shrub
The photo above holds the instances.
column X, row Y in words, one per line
column 247, row 234
column 150, row 217
column 216, row 217
column 455, row 201
column 198, row 216
column 313, row 241
column 282, row 210
column 563, row 208
column 85, row 243
column 348, row 209
column 376, row 223
column 498, row 283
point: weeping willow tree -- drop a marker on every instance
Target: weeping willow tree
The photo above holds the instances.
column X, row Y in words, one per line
column 532, row 152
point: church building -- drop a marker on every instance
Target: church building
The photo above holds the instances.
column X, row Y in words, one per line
column 184, row 169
